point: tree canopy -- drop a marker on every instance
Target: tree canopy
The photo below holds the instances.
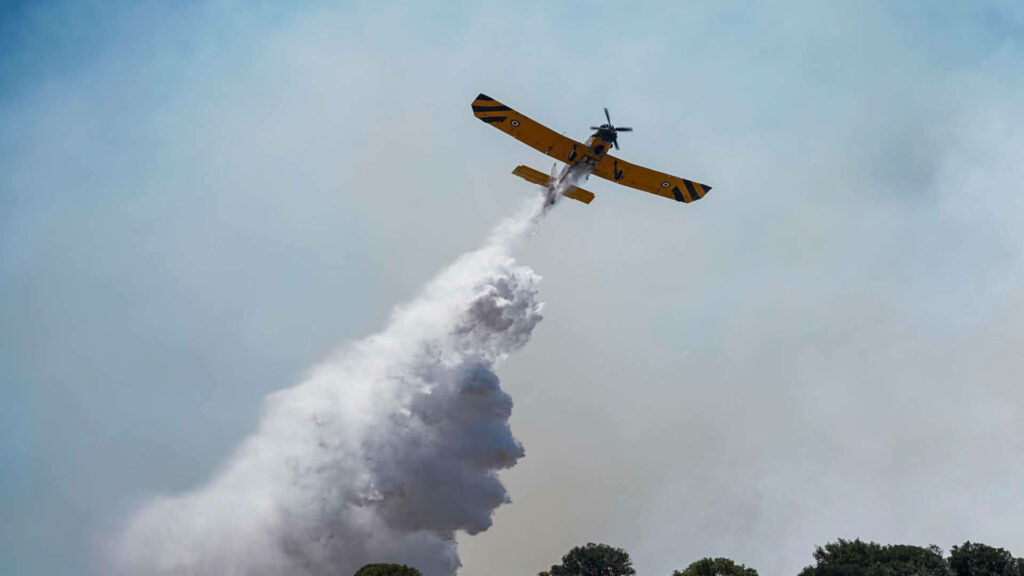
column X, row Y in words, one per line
column 387, row 570
column 716, row 567
column 982, row 560
column 858, row 558
column 839, row 558
column 593, row 560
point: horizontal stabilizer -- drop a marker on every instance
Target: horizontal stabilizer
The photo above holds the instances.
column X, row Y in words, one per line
column 541, row 179
column 577, row 193
column 530, row 175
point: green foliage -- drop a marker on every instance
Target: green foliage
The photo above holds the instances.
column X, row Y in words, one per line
column 387, row 570
column 981, row 560
column 716, row 567
column 857, row 558
column 593, row 560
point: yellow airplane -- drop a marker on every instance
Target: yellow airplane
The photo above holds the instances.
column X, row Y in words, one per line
column 582, row 160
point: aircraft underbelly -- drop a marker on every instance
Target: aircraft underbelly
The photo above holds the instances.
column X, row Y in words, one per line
column 570, row 176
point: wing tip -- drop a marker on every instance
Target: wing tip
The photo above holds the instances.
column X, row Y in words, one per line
column 700, row 190
column 483, row 96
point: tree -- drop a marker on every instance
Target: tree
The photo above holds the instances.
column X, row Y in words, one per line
column 593, row 560
column 857, row 558
column 387, row 570
column 716, row 567
column 982, row 560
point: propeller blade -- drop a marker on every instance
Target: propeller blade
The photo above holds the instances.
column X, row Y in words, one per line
column 608, row 116
column 616, row 143
column 624, row 129
column 595, row 127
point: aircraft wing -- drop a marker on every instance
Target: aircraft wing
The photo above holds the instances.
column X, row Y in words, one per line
column 627, row 174
column 527, row 131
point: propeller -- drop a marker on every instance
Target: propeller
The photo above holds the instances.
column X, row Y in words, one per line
column 615, row 130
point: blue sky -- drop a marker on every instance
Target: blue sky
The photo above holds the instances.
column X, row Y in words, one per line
column 198, row 202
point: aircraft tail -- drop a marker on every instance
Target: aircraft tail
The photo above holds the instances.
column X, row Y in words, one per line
column 541, row 179
column 577, row 193
column 530, row 175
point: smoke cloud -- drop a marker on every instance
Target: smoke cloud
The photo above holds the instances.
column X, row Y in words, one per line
column 381, row 454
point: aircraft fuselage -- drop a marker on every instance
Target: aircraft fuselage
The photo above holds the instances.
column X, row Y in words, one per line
column 582, row 162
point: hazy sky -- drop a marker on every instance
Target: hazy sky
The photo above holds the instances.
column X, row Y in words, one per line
column 199, row 202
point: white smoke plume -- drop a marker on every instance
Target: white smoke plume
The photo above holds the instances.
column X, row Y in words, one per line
column 380, row 455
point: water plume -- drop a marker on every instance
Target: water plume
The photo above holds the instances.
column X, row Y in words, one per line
column 381, row 454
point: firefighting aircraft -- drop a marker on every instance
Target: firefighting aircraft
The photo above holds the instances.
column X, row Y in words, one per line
column 582, row 160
